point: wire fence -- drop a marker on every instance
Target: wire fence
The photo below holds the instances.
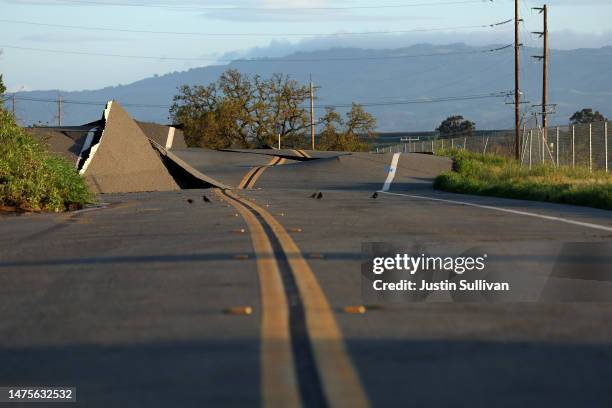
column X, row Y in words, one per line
column 584, row 145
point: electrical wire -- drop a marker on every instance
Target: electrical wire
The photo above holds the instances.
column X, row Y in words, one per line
column 499, row 94
column 265, row 60
column 242, row 8
column 232, row 35
column 454, row 81
column 89, row 103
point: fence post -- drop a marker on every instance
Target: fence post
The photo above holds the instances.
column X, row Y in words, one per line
column 465, row 143
column 523, row 142
column 573, row 146
column 606, row 143
column 530, row 146
column 442, row 144
column 590, row 147
column 544, row 147
column 433, row 149
column 452, row 144
column 557, row 146
column 485, row 146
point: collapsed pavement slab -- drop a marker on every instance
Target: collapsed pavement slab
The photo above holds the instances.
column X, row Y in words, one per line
column 120, row 158
column 170, row 137
column 65, row 141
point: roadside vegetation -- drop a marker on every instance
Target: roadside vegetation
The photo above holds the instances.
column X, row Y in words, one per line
column 347, row 135
column 31, row 178
column 489, row 175
column 585, row 116
column 245, row 111
column 455, row 126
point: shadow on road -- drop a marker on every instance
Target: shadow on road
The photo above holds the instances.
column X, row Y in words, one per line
column 435, row 373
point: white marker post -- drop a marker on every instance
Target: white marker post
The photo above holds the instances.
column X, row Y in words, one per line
column 392, row 172
column 278, row 129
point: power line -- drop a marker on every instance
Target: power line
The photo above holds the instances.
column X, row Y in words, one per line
column 90, row 103
column 242, row 8
column 454, row 81
column 158, row 58
column 500, row 94
column 203, row 34
column 517, row 80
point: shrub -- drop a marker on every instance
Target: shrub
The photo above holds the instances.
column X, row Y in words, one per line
column 502, row 177
column 33, row 179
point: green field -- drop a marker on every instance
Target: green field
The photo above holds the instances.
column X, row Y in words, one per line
column 502, row 177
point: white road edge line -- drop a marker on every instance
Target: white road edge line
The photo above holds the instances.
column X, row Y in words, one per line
column 392, row 171
column 90, row 209
column 506, row 210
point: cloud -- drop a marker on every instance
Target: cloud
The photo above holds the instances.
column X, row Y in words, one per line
column 103, row 2
column 260, row 15
column 288, row 11
column 248, row 11
column 563, row 40
column 183, row 4
column 581, row 3
column 304, row 10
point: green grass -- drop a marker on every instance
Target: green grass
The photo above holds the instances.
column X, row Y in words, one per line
column 31, row 178
column 502, row 177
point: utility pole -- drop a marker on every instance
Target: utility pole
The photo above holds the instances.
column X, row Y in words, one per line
column 517, row 80
column 544, row 58
column 545, row 76
column 59, row 110
column 312, row 116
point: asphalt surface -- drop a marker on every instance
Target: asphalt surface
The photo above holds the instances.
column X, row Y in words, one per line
column 128, row 302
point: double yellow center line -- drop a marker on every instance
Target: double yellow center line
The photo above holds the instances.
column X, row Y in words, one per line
column 249, row 180
column 339, row 381
column 301, row 153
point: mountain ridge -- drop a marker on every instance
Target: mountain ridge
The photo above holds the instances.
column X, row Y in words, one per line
column 578, row 79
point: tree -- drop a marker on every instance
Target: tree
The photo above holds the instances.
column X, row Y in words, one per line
column 279, row 109
column 2, row 91
column 330, row 136
column 358, row 121
column 243, row 111
column 2, row 87
column 216, row 115
column 346, row 135
column 586, row 116
column 456, row 126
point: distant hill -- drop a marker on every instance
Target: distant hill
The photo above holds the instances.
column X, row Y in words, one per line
column 578, row 78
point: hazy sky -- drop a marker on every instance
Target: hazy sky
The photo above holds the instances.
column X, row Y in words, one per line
column 251, row 28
